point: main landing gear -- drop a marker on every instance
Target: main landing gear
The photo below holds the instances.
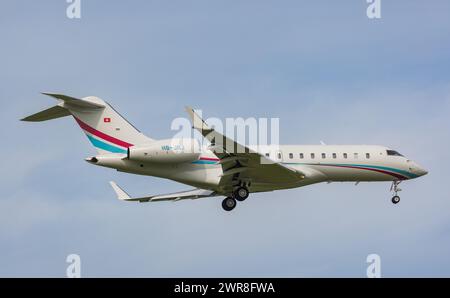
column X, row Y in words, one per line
column 240, row 194
column 228, row 204
column 395, row 189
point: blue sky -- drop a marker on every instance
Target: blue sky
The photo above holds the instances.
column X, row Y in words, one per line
column 326, row 70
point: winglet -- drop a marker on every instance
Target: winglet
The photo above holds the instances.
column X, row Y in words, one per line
column 121, row 194
column 197, row 121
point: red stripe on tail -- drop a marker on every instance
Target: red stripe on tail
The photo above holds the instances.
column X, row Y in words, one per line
column 100, row 134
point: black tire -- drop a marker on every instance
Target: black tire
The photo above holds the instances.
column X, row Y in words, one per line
column 395, row 199
column 241, row 194
column 229, row 204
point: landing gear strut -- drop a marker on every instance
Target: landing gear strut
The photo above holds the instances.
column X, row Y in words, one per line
column 228, row 204
column 395, row 189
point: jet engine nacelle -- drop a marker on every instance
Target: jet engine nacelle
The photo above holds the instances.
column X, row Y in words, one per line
column 166, row 151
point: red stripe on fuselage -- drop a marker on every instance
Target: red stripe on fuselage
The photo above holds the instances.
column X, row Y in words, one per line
column 208, row 158
column 401, row 177
column 102, row 135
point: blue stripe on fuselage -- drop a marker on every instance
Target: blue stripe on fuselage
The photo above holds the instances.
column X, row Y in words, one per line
column 204, row 162
column 104, row 146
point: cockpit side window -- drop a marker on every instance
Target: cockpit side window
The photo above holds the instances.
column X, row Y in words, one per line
column 393, row 153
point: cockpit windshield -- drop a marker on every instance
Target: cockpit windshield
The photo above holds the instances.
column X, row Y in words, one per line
column 393, row 153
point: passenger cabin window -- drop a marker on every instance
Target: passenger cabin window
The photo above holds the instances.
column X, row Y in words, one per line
column 334, row 155
column 313, row 156
column 301, row 156
column 367, row 155
column 345, row 155
column 355, row 155
column 324, row 155
column 393, row 153
column 291, row 155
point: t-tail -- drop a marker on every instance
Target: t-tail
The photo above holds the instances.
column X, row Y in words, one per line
column 105, row 128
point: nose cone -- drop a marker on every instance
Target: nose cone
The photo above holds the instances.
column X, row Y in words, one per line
column 421, row 171
column 418, row 170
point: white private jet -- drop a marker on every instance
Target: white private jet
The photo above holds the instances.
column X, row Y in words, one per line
column 226, row 168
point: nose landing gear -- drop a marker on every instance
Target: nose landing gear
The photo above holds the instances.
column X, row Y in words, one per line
column 395, row 199
column 395, row 190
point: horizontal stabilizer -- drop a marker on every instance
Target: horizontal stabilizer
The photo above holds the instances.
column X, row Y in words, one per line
column 48, row 114
column 62, row 109
column 75, row 102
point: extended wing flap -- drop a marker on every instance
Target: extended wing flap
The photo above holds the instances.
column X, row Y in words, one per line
column 190, row 194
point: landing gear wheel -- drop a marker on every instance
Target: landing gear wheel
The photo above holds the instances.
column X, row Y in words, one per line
column 228, row 204
column 241, row 194
column 395, row 199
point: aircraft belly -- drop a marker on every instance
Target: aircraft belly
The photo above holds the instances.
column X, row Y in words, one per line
column 261, row 187
column 204, row 176
column 207, row 176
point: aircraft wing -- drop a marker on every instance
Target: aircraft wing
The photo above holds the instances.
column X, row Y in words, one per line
column 240, row 162
column 190, row 194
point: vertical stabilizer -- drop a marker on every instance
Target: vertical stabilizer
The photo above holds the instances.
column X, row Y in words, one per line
column 105, row 128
